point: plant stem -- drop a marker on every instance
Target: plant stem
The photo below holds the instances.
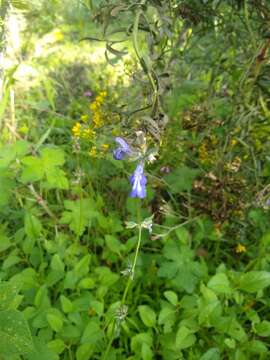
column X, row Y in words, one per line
column 130, row 279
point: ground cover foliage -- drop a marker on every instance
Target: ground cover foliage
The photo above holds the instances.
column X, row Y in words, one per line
column 87, row 272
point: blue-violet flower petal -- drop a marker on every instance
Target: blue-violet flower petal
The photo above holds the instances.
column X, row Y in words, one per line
column 138, row 182
column 122, row 150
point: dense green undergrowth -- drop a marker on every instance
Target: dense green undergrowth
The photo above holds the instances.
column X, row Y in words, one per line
column 68, row 234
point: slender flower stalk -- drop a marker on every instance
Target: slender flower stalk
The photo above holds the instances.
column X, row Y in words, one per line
column 130, row 279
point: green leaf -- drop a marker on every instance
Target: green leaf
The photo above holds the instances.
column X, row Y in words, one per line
column 167, row 317
column 55, row 320
column 82, row 267
column 6, row 185
column 45, row 167
column 220, row 284
column 147, row 353
column 15, row 337
column 79, row 214
column 257, row 347
column 33, row 169
column 10, row 261
column 172, row 297
column 113, row 243
column 211, row 354
column 85, row 351
column 180, row 268
column 57, row 346
column 8, row 292
column 263, row 328
column 254, row 281
column 52, row 157
column 92, row 333
column 184, row 338
column 5, row 242
column 42, row 352
column 138, row 340
column 182, row 179
column 147, row 315
column 57, row 264
column 66, row 304
column 32, row 225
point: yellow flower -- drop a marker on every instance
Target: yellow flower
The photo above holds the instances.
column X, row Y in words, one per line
column 203, row 153
column 88, row 134
column 233, row 142
column 105, row 147
column 93, row 152
column 240, row 248
column 103, row 94
column 76, row 130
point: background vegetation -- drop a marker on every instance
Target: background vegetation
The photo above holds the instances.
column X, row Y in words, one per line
column 186, row 84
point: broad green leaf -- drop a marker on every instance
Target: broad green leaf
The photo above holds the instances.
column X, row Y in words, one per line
column 263, row 328
column 167, row 317
column 45, row 167
column 172, row 297
column 79, row 214
column 5, row 242
column 92, row 333
column 113, row 243
column 32, row 225
column 8, row 292
column 147, row 353
column 257, row 347
column 57, row 264
column 82, row 267
column 220, row 284
column 6, row 185
column 52, row 157
column 211, row 354
column 254, row 281
column 180, row 268
column 15, row 337
column 55, row 320
column 138, row 340
column 182, row 179
column 66, row 304
column 57, row 346
column 41, row 352
column 147, row 315
column 33, row 169
column 85, row 351
column 184, row 338
column 10, row 261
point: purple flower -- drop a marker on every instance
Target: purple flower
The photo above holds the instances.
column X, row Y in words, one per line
column 87, row 93
column 122, row 150
column 138, row 181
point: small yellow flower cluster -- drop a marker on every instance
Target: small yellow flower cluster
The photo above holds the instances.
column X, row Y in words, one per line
column 88, row 134
column 94, row 152
column 76, row 130
column 80, row 131
column 203, row 153
column 240, row 248
column 96, row 108
column 233, row 142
